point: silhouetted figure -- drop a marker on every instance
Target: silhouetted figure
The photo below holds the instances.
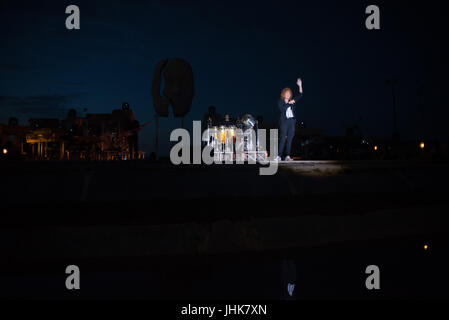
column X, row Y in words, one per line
column 211, row 118
column 133, row 138
column 227, row 121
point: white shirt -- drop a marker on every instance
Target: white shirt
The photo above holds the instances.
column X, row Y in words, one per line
column 289, row 113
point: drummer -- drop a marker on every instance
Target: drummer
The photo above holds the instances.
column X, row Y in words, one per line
column 227, row 121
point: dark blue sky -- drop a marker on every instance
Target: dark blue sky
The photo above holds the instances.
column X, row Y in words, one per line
column 242, row 55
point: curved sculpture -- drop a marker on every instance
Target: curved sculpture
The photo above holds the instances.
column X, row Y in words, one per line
column 178, row 88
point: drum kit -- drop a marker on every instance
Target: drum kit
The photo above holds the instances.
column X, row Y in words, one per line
column 236, row 142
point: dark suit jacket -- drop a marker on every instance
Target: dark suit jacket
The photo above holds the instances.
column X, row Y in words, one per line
column 284, row 106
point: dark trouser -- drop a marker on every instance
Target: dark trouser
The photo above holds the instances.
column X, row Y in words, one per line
column 287, row 132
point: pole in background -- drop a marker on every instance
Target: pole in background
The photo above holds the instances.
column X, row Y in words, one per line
column 156, row 145
column 393, row 82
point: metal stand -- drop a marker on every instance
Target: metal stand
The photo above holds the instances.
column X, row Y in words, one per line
column 156, row 144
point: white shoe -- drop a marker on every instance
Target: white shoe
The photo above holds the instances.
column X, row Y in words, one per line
column 277, row 159
column 288, row 158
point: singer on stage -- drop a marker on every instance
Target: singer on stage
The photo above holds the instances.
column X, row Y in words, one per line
column 287, row 121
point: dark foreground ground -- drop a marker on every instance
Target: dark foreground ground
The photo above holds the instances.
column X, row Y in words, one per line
column 153, row 230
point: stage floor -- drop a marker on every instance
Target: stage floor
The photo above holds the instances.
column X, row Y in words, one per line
column 44, row 182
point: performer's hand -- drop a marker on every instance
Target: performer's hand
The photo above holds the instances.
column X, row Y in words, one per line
column 299, row 82
column 292, row 102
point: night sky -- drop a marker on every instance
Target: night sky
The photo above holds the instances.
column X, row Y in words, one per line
column 242, row 55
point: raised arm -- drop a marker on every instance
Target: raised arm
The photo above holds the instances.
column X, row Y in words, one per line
column 299, row 96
